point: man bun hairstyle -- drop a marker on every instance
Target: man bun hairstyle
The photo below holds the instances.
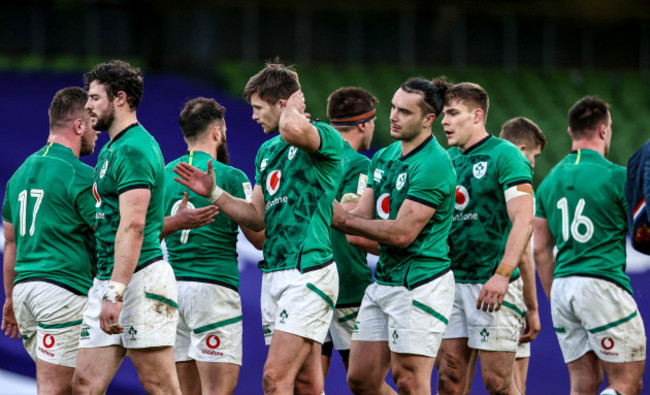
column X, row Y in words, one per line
column 432, row 93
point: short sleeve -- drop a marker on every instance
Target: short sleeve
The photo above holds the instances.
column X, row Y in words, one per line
column 432, row 182
column 240, row 186
column 371, row 170
column 514, row 168
column 331, row 144
column 134, row 167
column 6, row 210
column 355, row 178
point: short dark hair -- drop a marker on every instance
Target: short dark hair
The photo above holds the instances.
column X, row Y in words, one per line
column 586, row 115
column 118, row 75
column 469, row 94
column 274, row 82
column 351, row 101
column 432, row 93
column 66, row 105
column 521, row 130
column 198, row 115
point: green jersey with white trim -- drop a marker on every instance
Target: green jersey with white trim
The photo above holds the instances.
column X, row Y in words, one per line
column 208, row 253
column 354, row 273
column 299, row 190
column 481, row 224
column 49, row 202
column 425, row 175
column 583, row 199
column 131, row 160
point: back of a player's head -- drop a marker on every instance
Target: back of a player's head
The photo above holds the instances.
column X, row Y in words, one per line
column 521, row 130
column 432, row 93
column 67, row 105
column 116, row 76
column 274, row 82
column 586, row 115
column 350, row 106
column 199, row 115
column 470, row 94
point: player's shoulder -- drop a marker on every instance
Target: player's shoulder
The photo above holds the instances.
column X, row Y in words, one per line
column 393, row 151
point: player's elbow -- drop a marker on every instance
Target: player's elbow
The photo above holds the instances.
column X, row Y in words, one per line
column 135, row 228
column 402, row 240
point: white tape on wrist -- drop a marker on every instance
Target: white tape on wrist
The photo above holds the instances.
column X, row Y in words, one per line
column 115, row 292
column 215, row 194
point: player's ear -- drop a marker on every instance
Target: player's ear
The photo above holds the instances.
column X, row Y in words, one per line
column 282, row 103
column 568, row 130
column 77, row 125
column 428, row 120
column 120, row 98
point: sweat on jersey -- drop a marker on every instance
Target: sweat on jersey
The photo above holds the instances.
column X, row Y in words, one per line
column 49, row 202
column 208, row 253
column 481, row 224
column 354, row 273
column 583, row 199
column 299, row 190
column 131, row 160
column 426, row 176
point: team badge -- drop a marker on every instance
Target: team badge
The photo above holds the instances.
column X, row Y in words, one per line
column 273, row 182
column 102, row 172
column 292, row 152
column 462, row 198
column 383, row 205
column 378, row 174
column 401, row 180
column 479, row 169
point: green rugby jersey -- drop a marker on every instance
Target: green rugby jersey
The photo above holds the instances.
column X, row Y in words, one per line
column 426, row 176
column 49, row 201
column 354, row 273
column 132, row 160
column 299, row 190
column 481, row 225
column 208, row 253
column 583, row 199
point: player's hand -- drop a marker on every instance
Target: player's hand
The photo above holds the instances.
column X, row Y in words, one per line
column 533, row 326
column 198, row 181
column 191, row 218
column 297, row 101
column 338, row 214
column 492, row 293
column 9, row 323
column 109, row 318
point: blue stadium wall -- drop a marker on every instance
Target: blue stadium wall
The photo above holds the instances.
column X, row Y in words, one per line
column 24, row 99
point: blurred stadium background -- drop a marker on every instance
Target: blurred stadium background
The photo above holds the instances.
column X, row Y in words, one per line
column 534, row 58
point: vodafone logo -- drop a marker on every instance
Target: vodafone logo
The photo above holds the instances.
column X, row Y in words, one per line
column 462, row 197
column 48, row 341
column 273, row 182
column 383, row 205
column 213, row 342
column 96, row 195
column 607, row 343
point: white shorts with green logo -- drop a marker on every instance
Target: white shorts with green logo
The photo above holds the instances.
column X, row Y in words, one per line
column 412, row 322
column 297, row 303
column 149, row 313
column 340, row 331
column 590, row 314
column 209, row 323
column 495, row 331
column 49, row 319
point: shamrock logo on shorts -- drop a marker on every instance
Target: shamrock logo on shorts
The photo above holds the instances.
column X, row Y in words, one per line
column 485, row 334
column 395, row 337
column 283, row 316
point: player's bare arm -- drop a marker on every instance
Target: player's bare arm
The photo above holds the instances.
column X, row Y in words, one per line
column 360, row 242
column 188, row 218
column 401, row 232
column 295, row 127
column 527, row 270
column 128, row 244
column 544, row 258
column 249, row 214
column 9, row 324
column 255, row 237
column 520, row 211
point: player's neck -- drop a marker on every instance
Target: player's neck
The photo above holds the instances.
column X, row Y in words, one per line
column 410, row 145
column 353, row 139
column 476, row 137
column 588, row 144
column 66, row 141
column 121, row 122
column 208, row 148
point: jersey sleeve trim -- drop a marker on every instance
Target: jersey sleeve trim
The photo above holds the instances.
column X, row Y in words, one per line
column 320, row 135
column 131, row 187
column 422, row 201
column 518, row 182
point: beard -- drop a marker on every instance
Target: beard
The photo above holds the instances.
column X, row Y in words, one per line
column 222, row 153
column 87, row 145
column 409, row 133
column 105, row 120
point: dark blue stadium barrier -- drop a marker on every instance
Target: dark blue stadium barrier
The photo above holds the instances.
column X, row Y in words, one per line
column 24, row 99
